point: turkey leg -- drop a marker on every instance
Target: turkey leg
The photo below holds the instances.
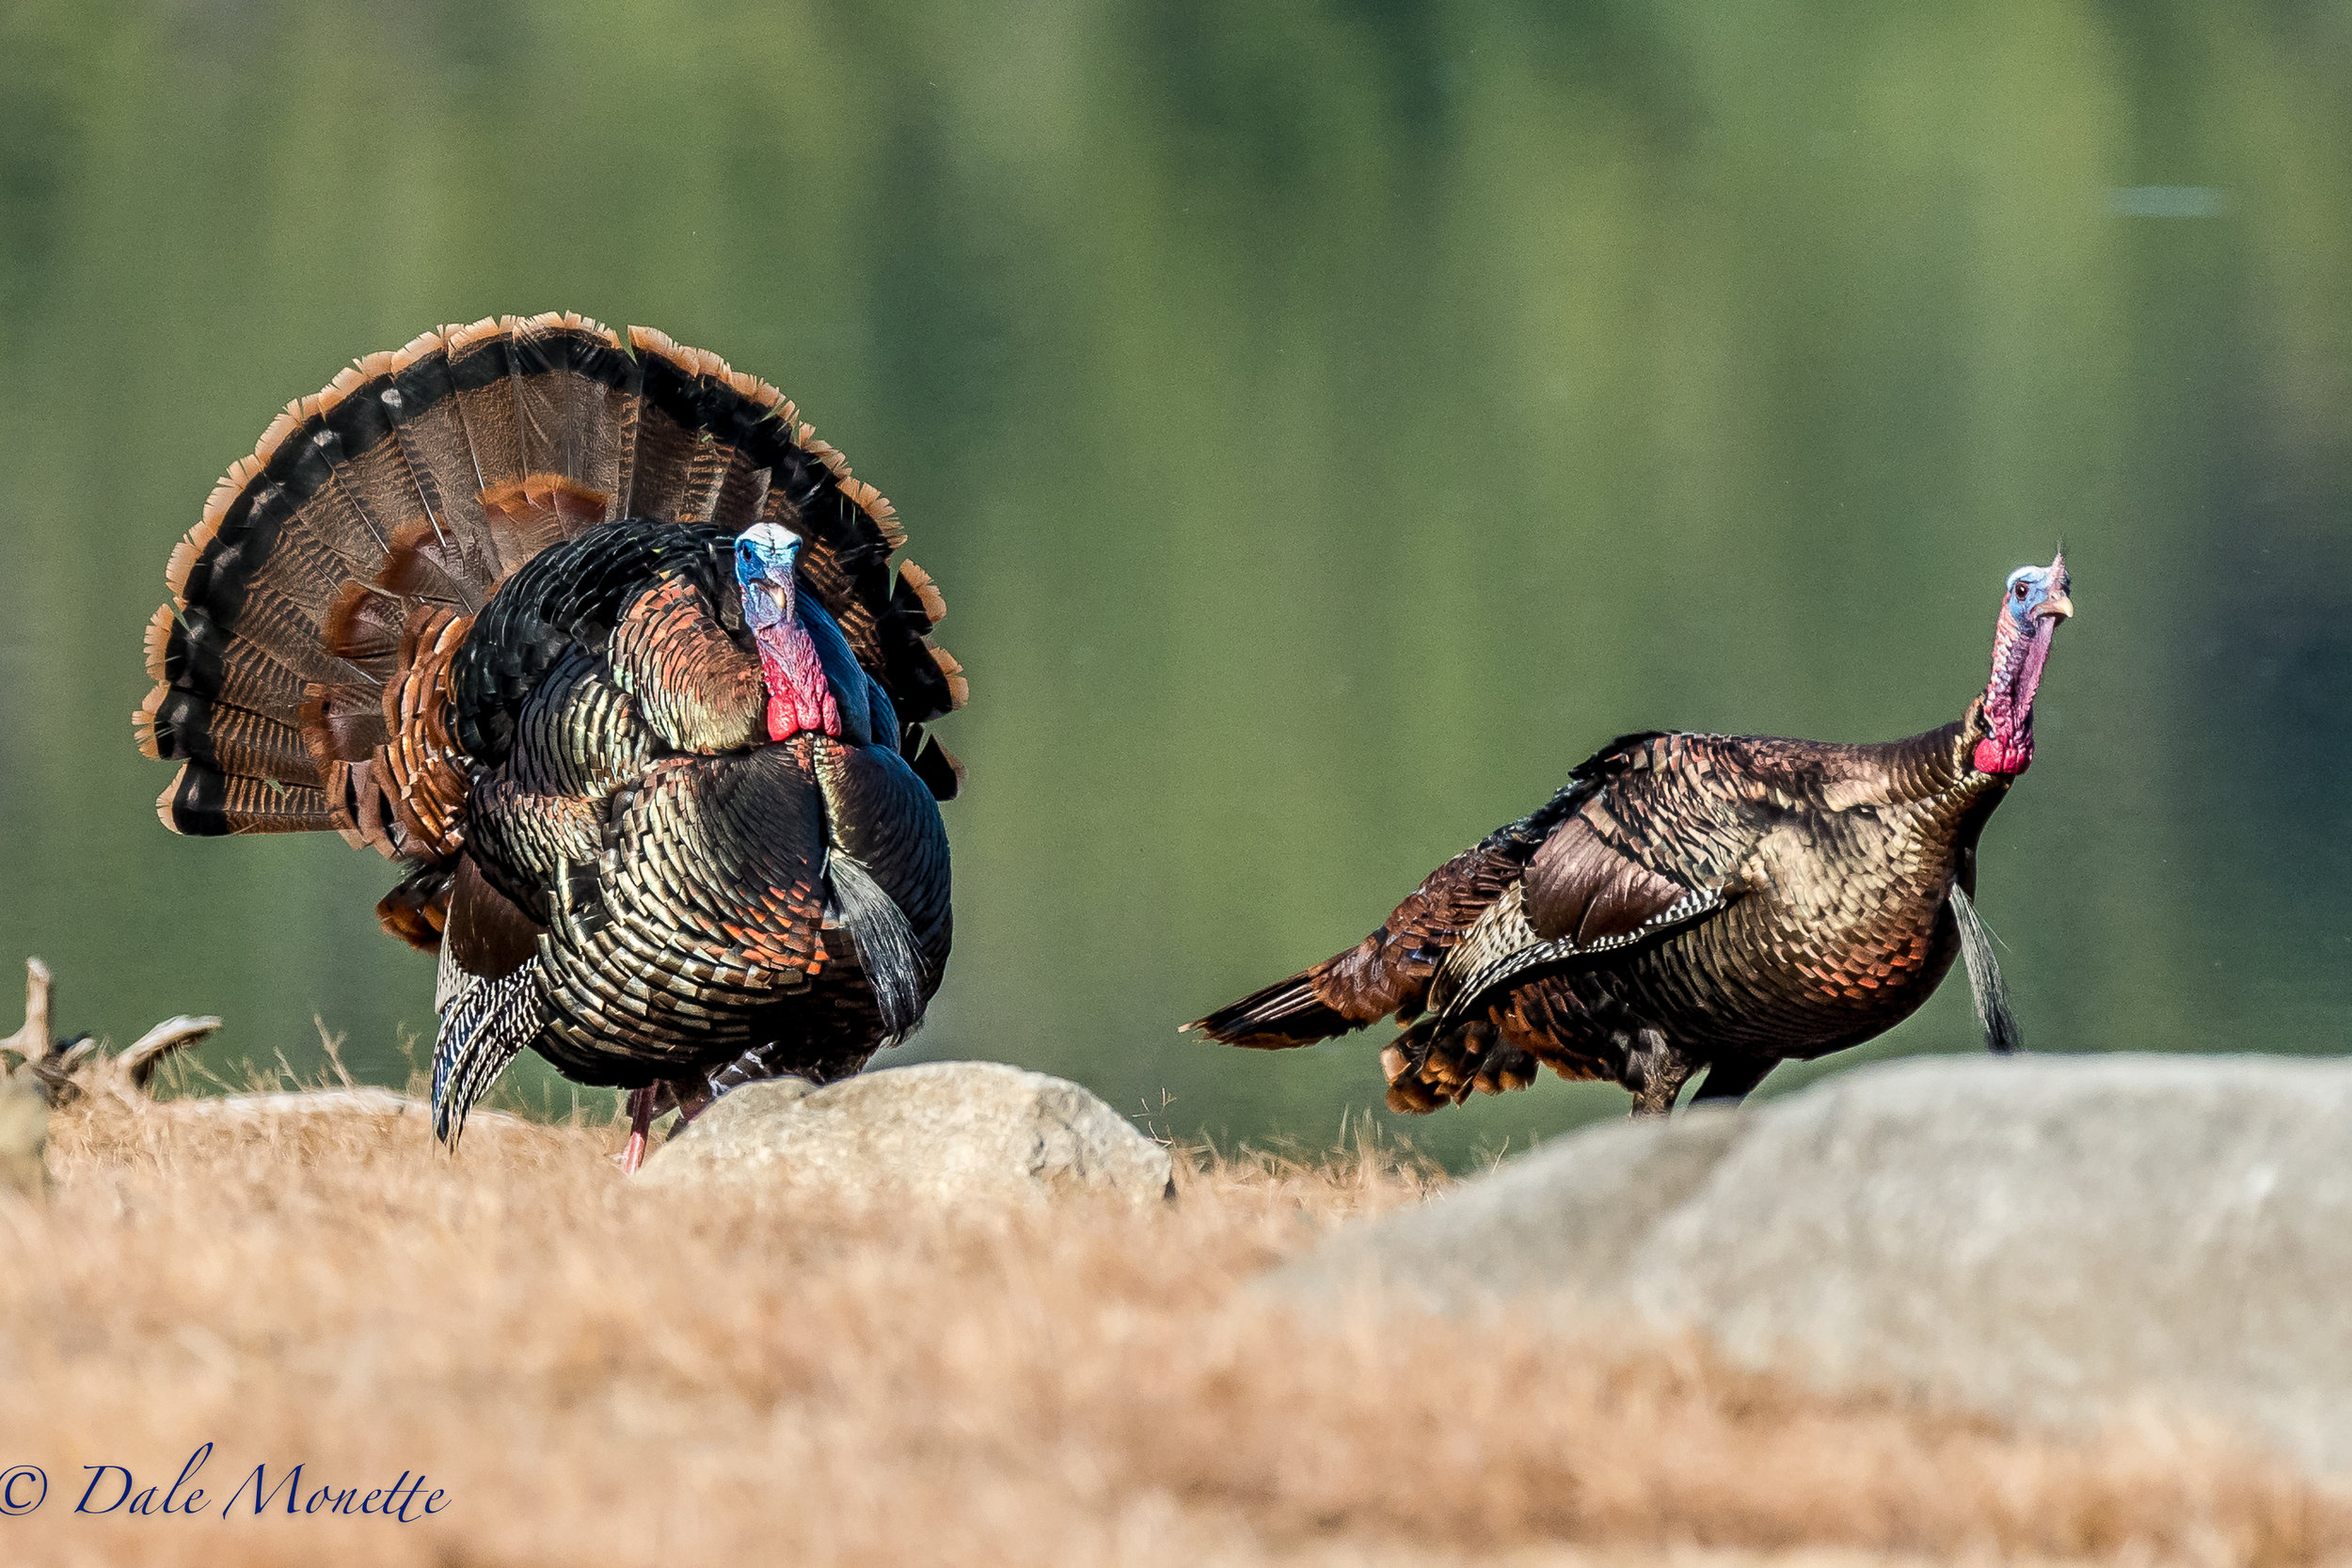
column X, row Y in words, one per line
column 1730, row 1078
column 641, row 1104
column 1654, row 1071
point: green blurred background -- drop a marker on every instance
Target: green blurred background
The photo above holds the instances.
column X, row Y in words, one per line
column 1328, row 423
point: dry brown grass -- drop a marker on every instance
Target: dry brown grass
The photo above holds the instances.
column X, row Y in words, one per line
column 600, row 1374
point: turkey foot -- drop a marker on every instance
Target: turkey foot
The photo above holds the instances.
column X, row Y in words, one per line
column 1654, row 1071
column 641, row 1104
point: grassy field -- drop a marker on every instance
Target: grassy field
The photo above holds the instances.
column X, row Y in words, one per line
column 590, row 1373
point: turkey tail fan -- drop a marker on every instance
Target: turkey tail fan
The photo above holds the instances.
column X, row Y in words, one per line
column 1286, row 1013
column 398, row 496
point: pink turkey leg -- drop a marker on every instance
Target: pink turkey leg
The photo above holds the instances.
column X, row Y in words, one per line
column 640, row 1123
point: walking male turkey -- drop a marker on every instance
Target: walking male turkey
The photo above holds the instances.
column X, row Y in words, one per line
column 1694, row 901
column 605, row 648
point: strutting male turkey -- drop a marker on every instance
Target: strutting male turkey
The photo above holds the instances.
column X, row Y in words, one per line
column 605, row 647
column 1694, row 901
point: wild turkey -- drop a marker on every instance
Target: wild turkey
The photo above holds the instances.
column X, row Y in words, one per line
column 1694, row 901
column 605, row 647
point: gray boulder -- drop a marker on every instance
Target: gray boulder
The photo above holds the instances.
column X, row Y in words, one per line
column 2056, row 1240
column 940, row 1132
column 359, row 1101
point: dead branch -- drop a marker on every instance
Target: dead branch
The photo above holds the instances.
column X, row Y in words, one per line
column 57, row 1063
column 31, row 1043
column 138, row 1063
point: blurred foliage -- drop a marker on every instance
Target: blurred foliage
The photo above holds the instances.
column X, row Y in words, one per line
column 1328, row 422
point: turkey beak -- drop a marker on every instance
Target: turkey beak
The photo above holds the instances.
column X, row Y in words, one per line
column 2057, row 607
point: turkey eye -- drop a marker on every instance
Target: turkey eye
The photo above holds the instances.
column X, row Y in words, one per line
column 2021, row 590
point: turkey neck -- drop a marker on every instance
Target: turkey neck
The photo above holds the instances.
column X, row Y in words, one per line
column 1935, row 774
column 1923, row 790
column 1918, row 771
column 2006, row 706
column 1942, row 761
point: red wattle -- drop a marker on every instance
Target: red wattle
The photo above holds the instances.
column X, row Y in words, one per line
column 1994, row 756
column 799, row 696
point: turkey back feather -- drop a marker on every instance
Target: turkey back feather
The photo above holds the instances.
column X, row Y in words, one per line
column 323, row 609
